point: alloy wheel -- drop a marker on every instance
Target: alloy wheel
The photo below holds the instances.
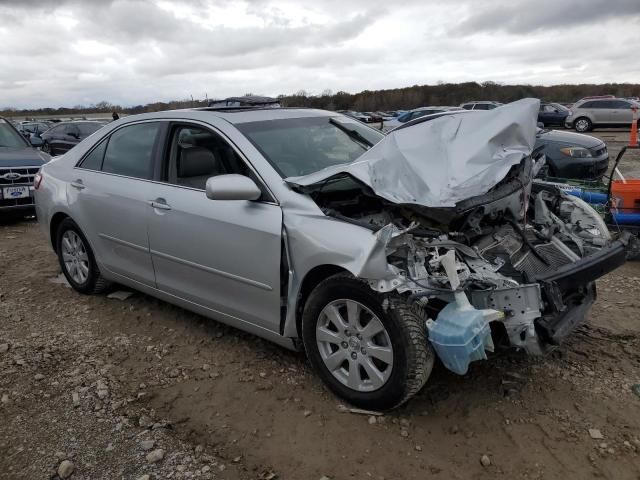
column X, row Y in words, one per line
column 582, row 125
column 75, row 257
column 354, row 345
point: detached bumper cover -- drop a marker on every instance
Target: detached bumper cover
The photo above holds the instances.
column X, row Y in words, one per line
column 570, row 290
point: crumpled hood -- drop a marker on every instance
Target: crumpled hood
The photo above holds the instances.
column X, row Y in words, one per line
column 443, row 161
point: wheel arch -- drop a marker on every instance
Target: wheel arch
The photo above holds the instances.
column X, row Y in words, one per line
column 56, row 220
column 310, row 281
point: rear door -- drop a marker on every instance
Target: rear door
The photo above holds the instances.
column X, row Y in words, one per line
column 620, row 112
column 69, row 138
column 110, row 192
column 220, row 254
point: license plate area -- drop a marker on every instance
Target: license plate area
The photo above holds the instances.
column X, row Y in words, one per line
column 9, row 193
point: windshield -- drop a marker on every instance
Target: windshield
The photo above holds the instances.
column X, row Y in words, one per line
column 9, row 138
column 300, row 146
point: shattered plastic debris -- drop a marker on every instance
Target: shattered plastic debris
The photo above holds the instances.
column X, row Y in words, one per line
column 120, row 295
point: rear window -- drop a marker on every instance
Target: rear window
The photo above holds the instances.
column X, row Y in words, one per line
column 300, row 146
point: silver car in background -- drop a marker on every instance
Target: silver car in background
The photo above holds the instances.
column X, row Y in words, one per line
column 278, row 222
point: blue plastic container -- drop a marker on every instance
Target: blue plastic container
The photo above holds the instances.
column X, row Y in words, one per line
column 460, row 335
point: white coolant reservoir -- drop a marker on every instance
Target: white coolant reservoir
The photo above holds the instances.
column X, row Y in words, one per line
column 460, row 333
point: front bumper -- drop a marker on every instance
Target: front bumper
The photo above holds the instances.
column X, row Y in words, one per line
column 541, row 314
column 587, row 169
column 569, row 291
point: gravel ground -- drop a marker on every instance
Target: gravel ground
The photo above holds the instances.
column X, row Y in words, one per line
column 93, row 387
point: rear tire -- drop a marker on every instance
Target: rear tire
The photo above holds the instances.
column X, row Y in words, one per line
column 77, row 261
column 46, row 148
column 403, row 357
column 582, row 124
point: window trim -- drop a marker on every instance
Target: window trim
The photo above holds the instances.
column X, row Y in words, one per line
column 166, row 145
column 107, row 138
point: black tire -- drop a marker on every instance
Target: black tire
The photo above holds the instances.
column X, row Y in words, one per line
column 95, row 282
column 578, row 122
column 46, row 148
column 413, row 356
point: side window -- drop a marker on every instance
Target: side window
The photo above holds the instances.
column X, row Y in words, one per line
column 467, row 106
column 619, row 104
column 87, row 129
column 196, row 154
column 71, row 130
column 481, row 106
column 594, row 104
column 93, row 161
column 130, row 151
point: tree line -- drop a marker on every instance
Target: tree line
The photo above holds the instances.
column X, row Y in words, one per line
column 373, row 100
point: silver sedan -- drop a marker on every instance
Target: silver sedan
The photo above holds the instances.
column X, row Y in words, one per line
column 209, row 209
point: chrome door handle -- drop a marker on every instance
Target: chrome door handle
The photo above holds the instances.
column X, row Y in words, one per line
column 159, row 205
column 78, row 184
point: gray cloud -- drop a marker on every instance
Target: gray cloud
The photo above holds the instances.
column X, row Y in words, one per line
column 68, row 52
column 524, row 16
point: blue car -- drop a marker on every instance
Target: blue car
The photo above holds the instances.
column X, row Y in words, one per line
column 552, row 114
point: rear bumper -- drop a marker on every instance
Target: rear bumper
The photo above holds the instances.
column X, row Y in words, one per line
column 570, row 290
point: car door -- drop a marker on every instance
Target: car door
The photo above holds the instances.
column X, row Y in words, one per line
column 53, row 137
column 109, row 194
column 220, row 254
column 620, row 112
column 69, row 138
column 601, row 111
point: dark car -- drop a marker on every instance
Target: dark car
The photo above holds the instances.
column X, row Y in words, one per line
column 552, row 114
column 568, row 154
column 64, row 136
column 19, row 163
column 573, row 155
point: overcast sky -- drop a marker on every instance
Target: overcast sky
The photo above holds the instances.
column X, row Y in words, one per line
column 71, row 52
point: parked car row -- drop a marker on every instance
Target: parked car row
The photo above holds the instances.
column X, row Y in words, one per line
column 584, row 115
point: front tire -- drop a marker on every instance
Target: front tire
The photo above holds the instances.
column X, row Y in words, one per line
column 46, row 148
column 77, row 261
column 370, row 349
column 582, row 124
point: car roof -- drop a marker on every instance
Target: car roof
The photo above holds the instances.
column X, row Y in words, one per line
column 252, row 114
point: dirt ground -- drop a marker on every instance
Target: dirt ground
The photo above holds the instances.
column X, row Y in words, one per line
column 135, row 387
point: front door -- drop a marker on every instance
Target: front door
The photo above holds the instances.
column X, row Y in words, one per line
column 221, row 254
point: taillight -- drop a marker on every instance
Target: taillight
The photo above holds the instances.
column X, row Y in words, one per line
column 37, row 180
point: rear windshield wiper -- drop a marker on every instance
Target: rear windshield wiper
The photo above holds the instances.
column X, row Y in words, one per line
column 353, row 134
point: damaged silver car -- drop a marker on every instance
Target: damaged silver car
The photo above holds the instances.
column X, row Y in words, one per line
column 372, row 253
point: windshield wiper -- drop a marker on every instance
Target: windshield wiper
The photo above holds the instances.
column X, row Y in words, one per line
column 353, row 134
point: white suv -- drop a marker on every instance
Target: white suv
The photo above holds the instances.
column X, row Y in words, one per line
column 589, row 113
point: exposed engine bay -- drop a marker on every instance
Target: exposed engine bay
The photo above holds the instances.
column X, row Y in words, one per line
column 462, row 229
column 500, row 250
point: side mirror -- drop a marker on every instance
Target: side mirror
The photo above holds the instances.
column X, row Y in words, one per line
column 232, row 187
column 36, row 141
column 540, row 125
